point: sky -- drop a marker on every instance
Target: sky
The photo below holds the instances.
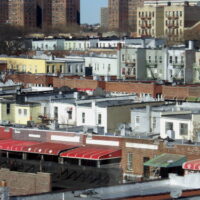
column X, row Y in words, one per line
column 90, row 10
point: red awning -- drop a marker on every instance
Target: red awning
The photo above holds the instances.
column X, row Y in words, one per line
column 15, row 145
column 48, row 148
column 92, row 153
column 192, row 165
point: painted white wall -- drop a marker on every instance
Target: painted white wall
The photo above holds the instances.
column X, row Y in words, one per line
column 44, row 45
column 102, row 66
column 176, row 128
column 172, row 71
column 110, row 43
column 63, row 116
column 91, row 116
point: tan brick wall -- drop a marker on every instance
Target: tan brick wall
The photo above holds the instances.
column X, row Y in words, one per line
column 21, row 183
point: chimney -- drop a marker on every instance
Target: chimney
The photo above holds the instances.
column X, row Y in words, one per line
column 119, row 46
column 191, row 45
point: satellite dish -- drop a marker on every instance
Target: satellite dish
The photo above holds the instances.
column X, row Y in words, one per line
column 176, row 193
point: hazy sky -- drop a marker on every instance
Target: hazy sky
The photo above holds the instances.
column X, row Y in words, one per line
column 90, row 10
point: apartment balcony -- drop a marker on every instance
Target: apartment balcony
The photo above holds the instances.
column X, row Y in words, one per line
column 152, row 64
column 172, row 26
column 130, row 64
column 143, row 17
column 148, row 26
column 143, row 26
column 196, row 66
column 178, row 65
column 172, row 17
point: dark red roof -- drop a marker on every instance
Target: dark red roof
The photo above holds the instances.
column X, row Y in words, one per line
column 48, row 148
column 15, row 145
column 93, row 153
column 192, row 165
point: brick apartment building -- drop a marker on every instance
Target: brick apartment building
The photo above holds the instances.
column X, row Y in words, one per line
column 168, row 21
column 3, row 11
column 40, row 13
column 118, row 14
column 123, row 14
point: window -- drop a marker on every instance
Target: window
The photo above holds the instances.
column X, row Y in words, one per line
column 149, row 59
column 168, row 126
column 25, row 112
column 7, row 108
column 154, row 122
column 69, row 111
column 176, row 59
column 55, row 113
column 130, row 161
column 69, row 68
column 53, row 69
column 160, row 59
column 137, row 119
column 19, row 111
column 123, row 57
column 48, row 69
column 45, row 111
column 61, row 68
column 170, row 59
column 183, row 129
column 99, row 118
column 83, row 117
column 108, row 67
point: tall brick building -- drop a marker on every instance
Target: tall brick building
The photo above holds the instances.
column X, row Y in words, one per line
column 123, row 13
column 40, row 13
column 118, row 14
column 3, row 11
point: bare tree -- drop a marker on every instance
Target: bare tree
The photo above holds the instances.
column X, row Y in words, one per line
column 11, row 39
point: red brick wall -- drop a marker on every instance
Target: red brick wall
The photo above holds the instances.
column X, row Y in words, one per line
column 5, row 133
column 133, row 87
column 180, row 91
column 175, row 91
column 31, row 78
column 74, row 83
column 20, row 183
column 128, row 87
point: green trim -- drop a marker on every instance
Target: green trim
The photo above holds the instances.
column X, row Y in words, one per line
column 192, row 99
column 166, row 160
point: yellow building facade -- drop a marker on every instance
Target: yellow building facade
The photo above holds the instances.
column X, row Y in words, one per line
column 7, row 111
column 27, row 112
column 34, row 66
column 177, row 18
column 150, row 21
column 166, row 21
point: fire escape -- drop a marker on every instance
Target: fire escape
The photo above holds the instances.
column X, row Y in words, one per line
column 178, row 68
column 145, row 25
column 152, row 67
column 173, row 26
column 129, row 69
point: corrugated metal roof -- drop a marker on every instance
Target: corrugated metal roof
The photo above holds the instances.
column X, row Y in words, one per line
column 192, row 165
column 15, row 145
column 48, row 148
column 166, row 160
column 93, row 153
